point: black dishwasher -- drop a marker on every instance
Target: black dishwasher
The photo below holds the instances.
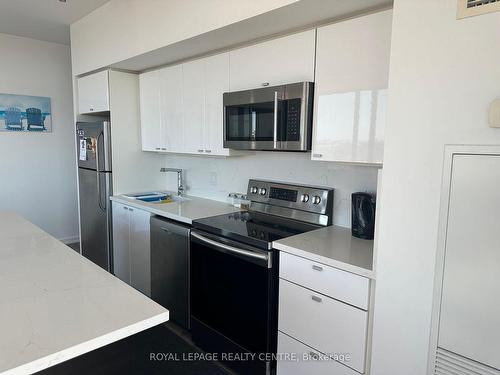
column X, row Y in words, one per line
column 170, row 268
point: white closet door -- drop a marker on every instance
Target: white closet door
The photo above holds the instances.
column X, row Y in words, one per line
column 470, row 305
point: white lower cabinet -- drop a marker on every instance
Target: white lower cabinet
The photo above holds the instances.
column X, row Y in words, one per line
column 325, row 324
column 297, row 358
column 131, row 247
column 323, row 311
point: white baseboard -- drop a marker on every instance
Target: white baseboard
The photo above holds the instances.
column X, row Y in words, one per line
column 68, row 240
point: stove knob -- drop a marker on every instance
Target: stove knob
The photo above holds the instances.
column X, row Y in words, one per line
column 262, row 191
column 304, row 198
column 316, row 200
column 254, row 190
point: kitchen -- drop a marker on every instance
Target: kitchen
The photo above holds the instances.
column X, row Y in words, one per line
column 230, row 177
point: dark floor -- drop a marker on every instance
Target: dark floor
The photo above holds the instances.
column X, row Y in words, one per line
column 132, row 356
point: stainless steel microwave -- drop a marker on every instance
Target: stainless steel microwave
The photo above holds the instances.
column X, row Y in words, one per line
column 277, row 118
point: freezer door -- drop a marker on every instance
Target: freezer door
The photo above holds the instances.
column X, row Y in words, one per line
column 95, row 216
column 94, row 145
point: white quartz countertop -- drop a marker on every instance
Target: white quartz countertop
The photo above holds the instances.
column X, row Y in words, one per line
column 333, row 246
column 56, row 305
column 185, row 211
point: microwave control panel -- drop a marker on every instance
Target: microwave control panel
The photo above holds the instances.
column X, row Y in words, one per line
column 293, row 120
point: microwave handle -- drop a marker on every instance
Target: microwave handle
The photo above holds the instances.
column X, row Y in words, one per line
column 275, row 139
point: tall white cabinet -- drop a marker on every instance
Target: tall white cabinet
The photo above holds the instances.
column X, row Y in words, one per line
column 467, row 307
column 352, row 72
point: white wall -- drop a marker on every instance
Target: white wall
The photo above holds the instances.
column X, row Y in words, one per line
column 37, row 171
column 216, row 177
column 134, row 27
column 443, row 74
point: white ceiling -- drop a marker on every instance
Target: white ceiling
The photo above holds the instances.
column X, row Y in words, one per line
column 43, row 19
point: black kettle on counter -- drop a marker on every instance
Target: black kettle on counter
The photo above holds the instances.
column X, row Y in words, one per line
column 363, row 215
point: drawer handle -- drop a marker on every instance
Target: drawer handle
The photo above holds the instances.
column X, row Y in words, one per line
column 317, row 268
column 165, row 229
column 316, row 298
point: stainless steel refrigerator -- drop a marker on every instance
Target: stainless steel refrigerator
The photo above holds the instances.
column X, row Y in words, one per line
column 95, row 188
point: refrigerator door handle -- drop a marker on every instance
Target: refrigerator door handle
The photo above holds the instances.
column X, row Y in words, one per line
column 98, row 171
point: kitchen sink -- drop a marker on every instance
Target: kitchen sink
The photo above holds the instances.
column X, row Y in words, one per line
column 157, row 197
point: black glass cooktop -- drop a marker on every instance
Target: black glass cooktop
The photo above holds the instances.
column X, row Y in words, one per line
column 252, row 228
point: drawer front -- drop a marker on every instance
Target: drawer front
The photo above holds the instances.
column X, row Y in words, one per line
column 305, row 360
column 325, row 324
column 344, row 286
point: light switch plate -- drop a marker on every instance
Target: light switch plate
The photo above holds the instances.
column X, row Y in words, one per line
column 494, row 114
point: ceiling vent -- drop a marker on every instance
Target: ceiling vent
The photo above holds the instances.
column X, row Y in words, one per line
column 469, row 8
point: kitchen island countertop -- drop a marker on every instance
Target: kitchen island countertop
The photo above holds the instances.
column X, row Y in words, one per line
column 56, row 305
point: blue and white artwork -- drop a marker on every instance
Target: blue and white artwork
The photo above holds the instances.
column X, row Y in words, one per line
column 25, row 113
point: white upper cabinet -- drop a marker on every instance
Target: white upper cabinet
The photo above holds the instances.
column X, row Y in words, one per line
column 216, row 84
column 93, row 93
column 182, row 108
column 352, row 70
column 284, row 60
column 149, row 85
column 193, row 105
column 171, row 109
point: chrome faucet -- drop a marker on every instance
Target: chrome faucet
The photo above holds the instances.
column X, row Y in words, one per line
column 180, row 187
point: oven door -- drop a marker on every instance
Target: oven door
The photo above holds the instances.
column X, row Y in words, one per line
column 233, row 299
column 252, row 117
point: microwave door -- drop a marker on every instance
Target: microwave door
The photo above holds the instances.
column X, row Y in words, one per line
column 251, row 119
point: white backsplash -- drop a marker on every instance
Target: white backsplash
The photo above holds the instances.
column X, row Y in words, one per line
column 214, row 178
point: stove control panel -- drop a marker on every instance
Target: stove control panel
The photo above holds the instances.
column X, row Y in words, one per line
column 314, row 199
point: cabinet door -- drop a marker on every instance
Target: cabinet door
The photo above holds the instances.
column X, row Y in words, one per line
column 352, row 69
column 193, row 105
column 284, row 60
column 470, row 303
column 121, row 242
column 149, row 85
column 140, row 267
column 300, row 359
column 171, row 109
column 216, row 84
column 93, row 93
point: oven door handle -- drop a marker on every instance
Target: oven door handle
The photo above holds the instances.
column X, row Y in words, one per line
column 241, row 253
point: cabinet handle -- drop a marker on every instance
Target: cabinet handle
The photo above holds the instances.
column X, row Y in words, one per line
column 200, row 150
column 208, row 151
column 317, row 155
column 157, row 148
column 125, row 208
column 165, row 229
column 163, row 149
column 317, row 268
column 265, row 84
column 316, row 298
column 91, row 109
column 131, row 209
